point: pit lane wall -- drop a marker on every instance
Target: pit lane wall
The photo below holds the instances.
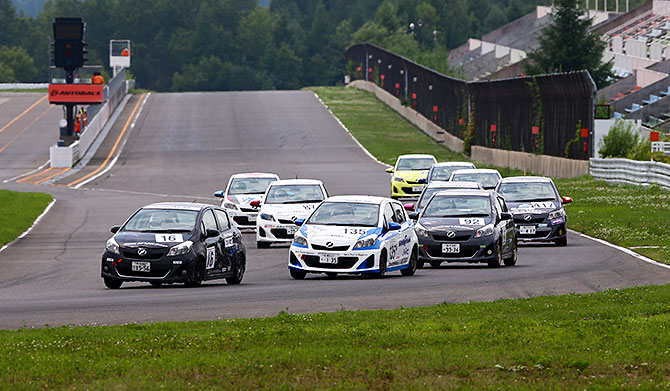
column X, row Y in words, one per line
column 631, row 172
column 98, row 115
column 537, row 164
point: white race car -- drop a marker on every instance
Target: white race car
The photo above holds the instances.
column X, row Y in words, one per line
column 355, row 234
column 241, row 191
column 286, row 201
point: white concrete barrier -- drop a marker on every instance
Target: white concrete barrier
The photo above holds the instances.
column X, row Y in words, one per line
column 631, row 172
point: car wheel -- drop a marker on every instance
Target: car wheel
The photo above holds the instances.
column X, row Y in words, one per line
column 497, row 261
column 113, row 283
column 297, row 274
column 411, row 269
column 435, row 264
column 331, row 274
column 156, row 283
column 382, row 266
column 511, row 261
column 197, row 275
column 239, row 266
column 263, row 244
column 562, row 242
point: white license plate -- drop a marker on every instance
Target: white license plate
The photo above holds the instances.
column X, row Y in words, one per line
column 327, row 259
column 451, row 248
column 291, row 230
column 417, row 189
column 141, row 266
column 527, row 230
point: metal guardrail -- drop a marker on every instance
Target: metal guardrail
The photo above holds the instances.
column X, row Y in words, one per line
column 631, row 172
column 660, row 146
column 110, row 92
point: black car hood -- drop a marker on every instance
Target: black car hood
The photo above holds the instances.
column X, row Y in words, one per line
column 150, row 239
column 533, row 207
column 454, row 223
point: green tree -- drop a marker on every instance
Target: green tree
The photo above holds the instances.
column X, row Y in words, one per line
column 17, row 61
column 567, row 45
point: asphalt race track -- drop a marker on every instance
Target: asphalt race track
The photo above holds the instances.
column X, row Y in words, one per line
column 183, row 147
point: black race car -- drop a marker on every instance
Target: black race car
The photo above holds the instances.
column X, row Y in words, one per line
column 174, row 242
column 537, row 208
column 471, row 226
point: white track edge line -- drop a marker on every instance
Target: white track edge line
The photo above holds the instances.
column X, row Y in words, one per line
column 622, row 249
column 27, row 173
column 351, row 135
column 111, row 164
column 37, row 220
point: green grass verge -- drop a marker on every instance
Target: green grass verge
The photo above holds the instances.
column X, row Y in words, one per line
column 630, row 216
column 18, row 211
column 604, row 341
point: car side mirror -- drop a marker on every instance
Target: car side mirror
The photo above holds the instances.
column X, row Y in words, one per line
column 211, row 233
column 389, row 170
column 115, row 229
column 414, row 216
column 299, row 221
column 220, row 194
column 567, row 200
column 255, row 203
column 506, row 216
column 394, row 226
column 409, row 206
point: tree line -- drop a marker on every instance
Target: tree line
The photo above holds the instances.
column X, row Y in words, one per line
column 206, row 45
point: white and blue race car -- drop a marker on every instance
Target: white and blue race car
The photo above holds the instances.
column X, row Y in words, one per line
column 354, row 234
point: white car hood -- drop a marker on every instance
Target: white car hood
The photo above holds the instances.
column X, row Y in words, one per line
column 337, row 235
column 245, row 199
column 289, row 211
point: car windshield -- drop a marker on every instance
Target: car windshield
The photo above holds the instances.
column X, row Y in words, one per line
column 488, row 180
column 425, row 197
column 444, row 173
column 458, row 206
column 409, row 164
column 529, row 191
column 294, row 194
column 350, row 214
column 249, row 185
column 162, row 220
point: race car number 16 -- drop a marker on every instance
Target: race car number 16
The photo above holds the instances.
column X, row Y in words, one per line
column 173, row 238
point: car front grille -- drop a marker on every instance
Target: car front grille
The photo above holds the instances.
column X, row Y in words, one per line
column 442, row 237
column 243, row 220
column 124, row 269
column 152, row 253
column 248, row 210
column 334, row 248
column 518, row 219
column 408, row 190
column 466, row 252
column 285, row 221
column 342, row 262
column 280, row 233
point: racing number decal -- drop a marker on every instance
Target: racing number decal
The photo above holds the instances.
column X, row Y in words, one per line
column 355, row 231
column 228, row 241
column 393, row 249
column 170, row 238
column 211, row 257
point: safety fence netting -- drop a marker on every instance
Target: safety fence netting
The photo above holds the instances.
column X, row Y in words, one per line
column 548, row 114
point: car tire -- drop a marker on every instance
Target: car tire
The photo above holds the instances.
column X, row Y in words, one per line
column 113, row 283
column 263, row 244
column 382, row 266
column 435, row 264
column 411, row 268
column 331, row 274
column 562, row 242
column 497, row 261
column 197, row 274
column 511, row 261
column 297, row 274
column 419, row 264
column 239, row 267
column 156, row 283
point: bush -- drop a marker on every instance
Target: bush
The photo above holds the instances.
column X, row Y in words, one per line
column 620, row 141
column 641, row 151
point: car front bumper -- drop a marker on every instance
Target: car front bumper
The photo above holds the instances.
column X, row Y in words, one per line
column 242, row 219
column 165, row 269
column 406, row 190
column 274, row 232
column 544, row 232
column 476, row 250
column 352, row 261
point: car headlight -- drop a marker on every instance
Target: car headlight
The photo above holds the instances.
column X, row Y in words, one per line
column 421, row 230
column 557, row 214
column 300, row 240
column 180, row 249
column 365, row 242
column 486, row 230
column 229, row 205
column 398, row 179
column 268, row 217
column 112, row 246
